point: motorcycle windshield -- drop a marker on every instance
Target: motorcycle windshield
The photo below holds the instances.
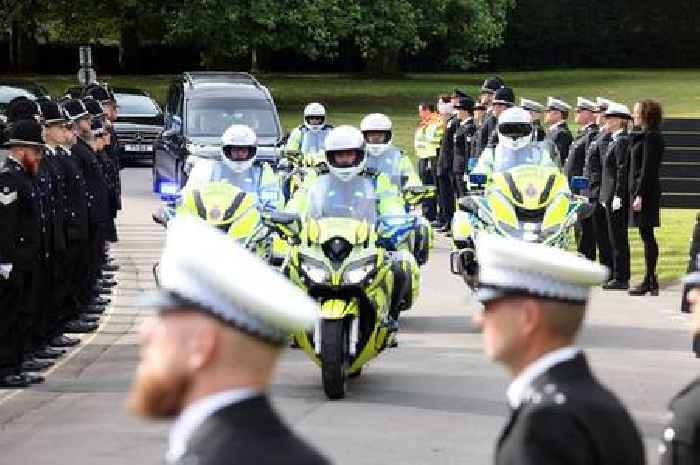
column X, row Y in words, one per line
column 248, row 180
column 533, row 155
column 386, row 160
column 333, row 198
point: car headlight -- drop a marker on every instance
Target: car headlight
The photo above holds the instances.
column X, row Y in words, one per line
column 315, row 270
column 358, row 272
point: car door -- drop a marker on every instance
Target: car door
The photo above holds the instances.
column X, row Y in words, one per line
column 167, row 164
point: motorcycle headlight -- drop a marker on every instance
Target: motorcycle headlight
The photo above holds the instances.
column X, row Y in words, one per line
column 316, row 271
column 358, row 272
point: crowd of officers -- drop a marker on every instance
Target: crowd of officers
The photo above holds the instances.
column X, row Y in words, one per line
column 617, row 150
column 59, row 197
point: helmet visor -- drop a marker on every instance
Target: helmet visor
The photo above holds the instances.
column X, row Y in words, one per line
column 345, row 158
column 377, row 137
column 235, row 153
column 315, row 120
column 515, row 130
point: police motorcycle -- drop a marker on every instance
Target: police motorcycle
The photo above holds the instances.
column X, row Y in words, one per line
column 346, row 255
column 518, row 190
column 388, row 159
column 231, row 194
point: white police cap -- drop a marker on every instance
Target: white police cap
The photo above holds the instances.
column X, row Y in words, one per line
column 601, row 104
column 619, row 110
column 557, row 104
column 531, row 105
column 508, row 266
column 585, row 104
column 203, row 269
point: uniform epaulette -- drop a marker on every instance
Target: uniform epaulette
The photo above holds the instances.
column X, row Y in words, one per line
column 547, row 394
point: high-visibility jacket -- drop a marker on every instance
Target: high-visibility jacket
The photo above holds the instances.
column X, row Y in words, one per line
column 428, row 136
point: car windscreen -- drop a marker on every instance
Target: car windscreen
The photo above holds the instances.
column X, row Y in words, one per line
column 7, row 93
column 210, row 117
column 130, row 104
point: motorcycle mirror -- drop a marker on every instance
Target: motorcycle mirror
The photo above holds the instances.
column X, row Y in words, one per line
column 468, row 204
column 477, row 178
column 579, row 183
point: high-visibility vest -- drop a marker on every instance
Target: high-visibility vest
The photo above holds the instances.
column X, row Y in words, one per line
column 428, row 137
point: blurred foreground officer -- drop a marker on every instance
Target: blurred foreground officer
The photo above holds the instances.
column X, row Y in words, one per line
column 680, row 442
column 209, row 354
column 561, row 414
column 559, row 133
column 20, row 241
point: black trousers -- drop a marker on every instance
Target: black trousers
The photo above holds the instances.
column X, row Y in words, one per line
column 14, row 294
column 446, row 197
column 617, row 229
column 592, row 236
column 42, row 306
column 427, row 177
column 460, row 186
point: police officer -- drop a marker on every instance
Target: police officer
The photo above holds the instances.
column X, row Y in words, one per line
column 536, row 110
column 426, row 144
column 445, row 162
column 680, row 440
column 214, row 359
column 488, row 126
column 534, row 300
column 78, row 227
column 20, row 243
column 504, row 98
column 614, row 193
column 558, row 132
column 575, row 162
column 309, row 138
column 593, row 170
column 463, row 142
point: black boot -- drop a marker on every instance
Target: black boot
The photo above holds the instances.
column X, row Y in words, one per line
column 642, row 288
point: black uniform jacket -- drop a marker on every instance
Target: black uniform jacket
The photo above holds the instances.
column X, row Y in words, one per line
column 578, row 150
column 464, row 145
column 249, row 432
column 646, row 153
column 487, row 129
column 20, row 237
column 99, row 208
column 593, row 167
column 615, row 163
column 680, row 442
column 447, row 148
column 561, row 136
column 570, row 418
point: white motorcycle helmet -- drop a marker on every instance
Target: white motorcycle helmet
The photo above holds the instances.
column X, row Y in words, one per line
column 341, row 143
column 376, row 122
column 239, row 144
column 515, row 129
column 314, row 110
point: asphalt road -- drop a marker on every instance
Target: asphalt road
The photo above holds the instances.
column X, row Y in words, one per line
column 434, row 399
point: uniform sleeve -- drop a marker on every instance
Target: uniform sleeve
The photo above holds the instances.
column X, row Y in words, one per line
column 651, row 154
column 294, row 142
column 390, row 200
column 621, row 165
column 9, row 218
column 554, row 438
column 595, row 169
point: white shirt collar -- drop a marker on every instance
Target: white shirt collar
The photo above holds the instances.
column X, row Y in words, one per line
column 521, row 384
column 552, row 127
column 194, row 416
column 617, row 133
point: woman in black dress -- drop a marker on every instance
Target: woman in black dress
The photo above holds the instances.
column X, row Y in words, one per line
column 644, row 187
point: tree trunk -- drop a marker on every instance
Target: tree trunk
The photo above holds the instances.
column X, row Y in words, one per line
column 253, row 59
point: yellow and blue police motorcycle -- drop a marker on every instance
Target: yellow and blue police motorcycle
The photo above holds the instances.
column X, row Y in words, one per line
column 525, row 196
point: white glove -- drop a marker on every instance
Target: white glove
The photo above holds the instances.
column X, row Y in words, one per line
column 5, row 270
column 616, row 203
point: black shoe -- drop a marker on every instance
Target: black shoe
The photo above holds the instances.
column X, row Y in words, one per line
column 105, row 283
column 107, row 275
column 110, row 267
column 79, row 327
column 84, row 318
column 33, row 378
column 64, row 341
column 94, row 309
column 49, row 353
column 616, row 285
column 101, row 301
column 36, row 365
column 13, row 382
column 100, row 290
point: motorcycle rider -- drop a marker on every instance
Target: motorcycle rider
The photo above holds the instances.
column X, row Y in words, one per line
column 309, row 138
column 516, row 135
column 237, row 166
column 347, row 162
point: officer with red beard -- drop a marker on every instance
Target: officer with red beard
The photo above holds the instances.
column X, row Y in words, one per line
column 20, row 241
column 209, row 354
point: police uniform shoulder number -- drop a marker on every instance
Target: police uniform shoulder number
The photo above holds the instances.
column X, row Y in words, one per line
column 7, row 195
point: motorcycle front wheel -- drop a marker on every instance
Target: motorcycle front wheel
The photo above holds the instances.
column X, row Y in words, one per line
column 334, row 349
